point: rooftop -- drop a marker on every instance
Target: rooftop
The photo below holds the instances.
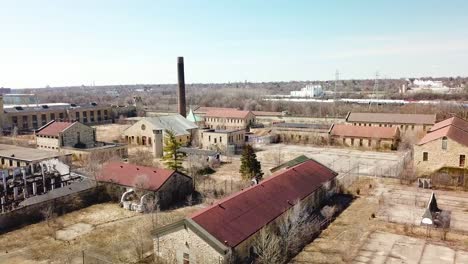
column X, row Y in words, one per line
column 419, row 119
column 363, row 131
column 205, row 109
column 176, row 123
column 126, row 174
column 236, row 218
column 27, row 154
column 454, row 128
column 53, row 128
column 229, row 113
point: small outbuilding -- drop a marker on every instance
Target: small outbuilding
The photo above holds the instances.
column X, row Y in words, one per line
column 144, row 183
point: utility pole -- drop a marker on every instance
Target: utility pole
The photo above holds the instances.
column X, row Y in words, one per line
column 337, row 78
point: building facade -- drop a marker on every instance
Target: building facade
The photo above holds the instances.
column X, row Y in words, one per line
column 150, row 132
column 412, row 125
column 223, row 141
column 231, row 119
column 446, row 145
column 368, row 137
column 75, row 138
column 230, row 226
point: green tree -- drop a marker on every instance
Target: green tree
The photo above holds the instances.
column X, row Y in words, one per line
column 172, row 158
column 250, row 166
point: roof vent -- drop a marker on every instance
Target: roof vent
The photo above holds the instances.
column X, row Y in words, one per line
column 138, row 168
column 121, row 166
column 221, row 206
column 154, row 171
column 73, row 105
column 93, row 104
column 45, row 106
column 19, row 108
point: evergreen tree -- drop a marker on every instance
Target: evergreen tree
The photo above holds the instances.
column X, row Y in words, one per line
column 172, row 158
column 250, row 166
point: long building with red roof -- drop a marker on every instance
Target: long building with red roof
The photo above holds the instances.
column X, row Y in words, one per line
column 365, row 136
column 229, row 226
column 444, row 146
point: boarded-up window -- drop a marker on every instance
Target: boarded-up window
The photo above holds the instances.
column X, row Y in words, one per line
column 444, row 143
column 462, row 160
column 425, row 156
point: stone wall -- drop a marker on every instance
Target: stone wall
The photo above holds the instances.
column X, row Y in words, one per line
column 223, row 123
column 437, row 157
column 79, row 133
column 47, row 142
column 182, row 240
column 220, row 140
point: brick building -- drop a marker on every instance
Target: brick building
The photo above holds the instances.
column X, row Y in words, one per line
column 230, row 226
column 445, row 145
column 370, row 137
column 409, row 124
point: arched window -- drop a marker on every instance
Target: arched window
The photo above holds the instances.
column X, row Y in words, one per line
column 444, row 143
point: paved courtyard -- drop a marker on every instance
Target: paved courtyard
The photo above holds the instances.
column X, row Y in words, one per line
column 386, row 248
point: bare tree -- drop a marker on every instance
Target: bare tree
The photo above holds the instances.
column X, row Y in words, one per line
column 328, row 212
column 267, row 246
column 291, row 227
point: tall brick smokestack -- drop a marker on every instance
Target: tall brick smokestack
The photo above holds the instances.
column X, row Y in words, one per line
column 181, row 90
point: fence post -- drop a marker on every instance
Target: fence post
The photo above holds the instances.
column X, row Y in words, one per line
column 82, row 253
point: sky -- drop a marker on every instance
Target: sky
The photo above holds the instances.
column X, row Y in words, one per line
column 69, row 42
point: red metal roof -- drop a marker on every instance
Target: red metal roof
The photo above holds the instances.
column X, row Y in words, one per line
column 54, row 128
column 453, row 121
column 229, row 113
column 364, row 131
column 148, row 178
column 236, row 218
column 454, row 128
column 205, row 109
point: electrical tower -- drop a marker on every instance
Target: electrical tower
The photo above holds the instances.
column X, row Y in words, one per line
column 376, row 88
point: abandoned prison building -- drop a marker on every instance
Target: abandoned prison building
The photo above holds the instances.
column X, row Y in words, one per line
column 150, row 132
column 139, row 185
column 75, row 138
column 369, row 137
column 444, row 148
column 409, row 124
column 230, row 226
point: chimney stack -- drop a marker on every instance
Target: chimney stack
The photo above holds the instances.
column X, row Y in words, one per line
column 181, row 90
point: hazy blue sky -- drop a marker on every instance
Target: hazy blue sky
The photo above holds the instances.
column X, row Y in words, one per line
column 64, row 42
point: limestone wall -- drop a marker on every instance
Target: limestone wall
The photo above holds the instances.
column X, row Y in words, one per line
column 438, row 157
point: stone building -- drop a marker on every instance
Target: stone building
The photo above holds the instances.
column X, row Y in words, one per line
column 75, row 138
column 370, row 137
column 229, row 227
column 150, row 131
column 409, row 124
column 168, row 186
column 30, row 117
column 229, row 119
column 445, row 145
column 300, row 132
column 223, row 141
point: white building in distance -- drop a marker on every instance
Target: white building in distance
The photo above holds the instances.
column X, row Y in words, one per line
column 311, row 90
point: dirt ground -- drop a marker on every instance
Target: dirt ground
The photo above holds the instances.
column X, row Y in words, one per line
column 105, row 231
column 110, row 132
column 356, row 236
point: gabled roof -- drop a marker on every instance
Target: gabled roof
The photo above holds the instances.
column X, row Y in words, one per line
column 364, row 131
column 391, row 118
column 131, row 175
column 453, row 121
column 236, row 218
column 205, row 109
column 176, row 123
column 53, row 128
column 454, row 128
column 229, row 113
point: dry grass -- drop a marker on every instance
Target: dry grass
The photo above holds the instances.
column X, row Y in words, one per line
column 117, row 235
